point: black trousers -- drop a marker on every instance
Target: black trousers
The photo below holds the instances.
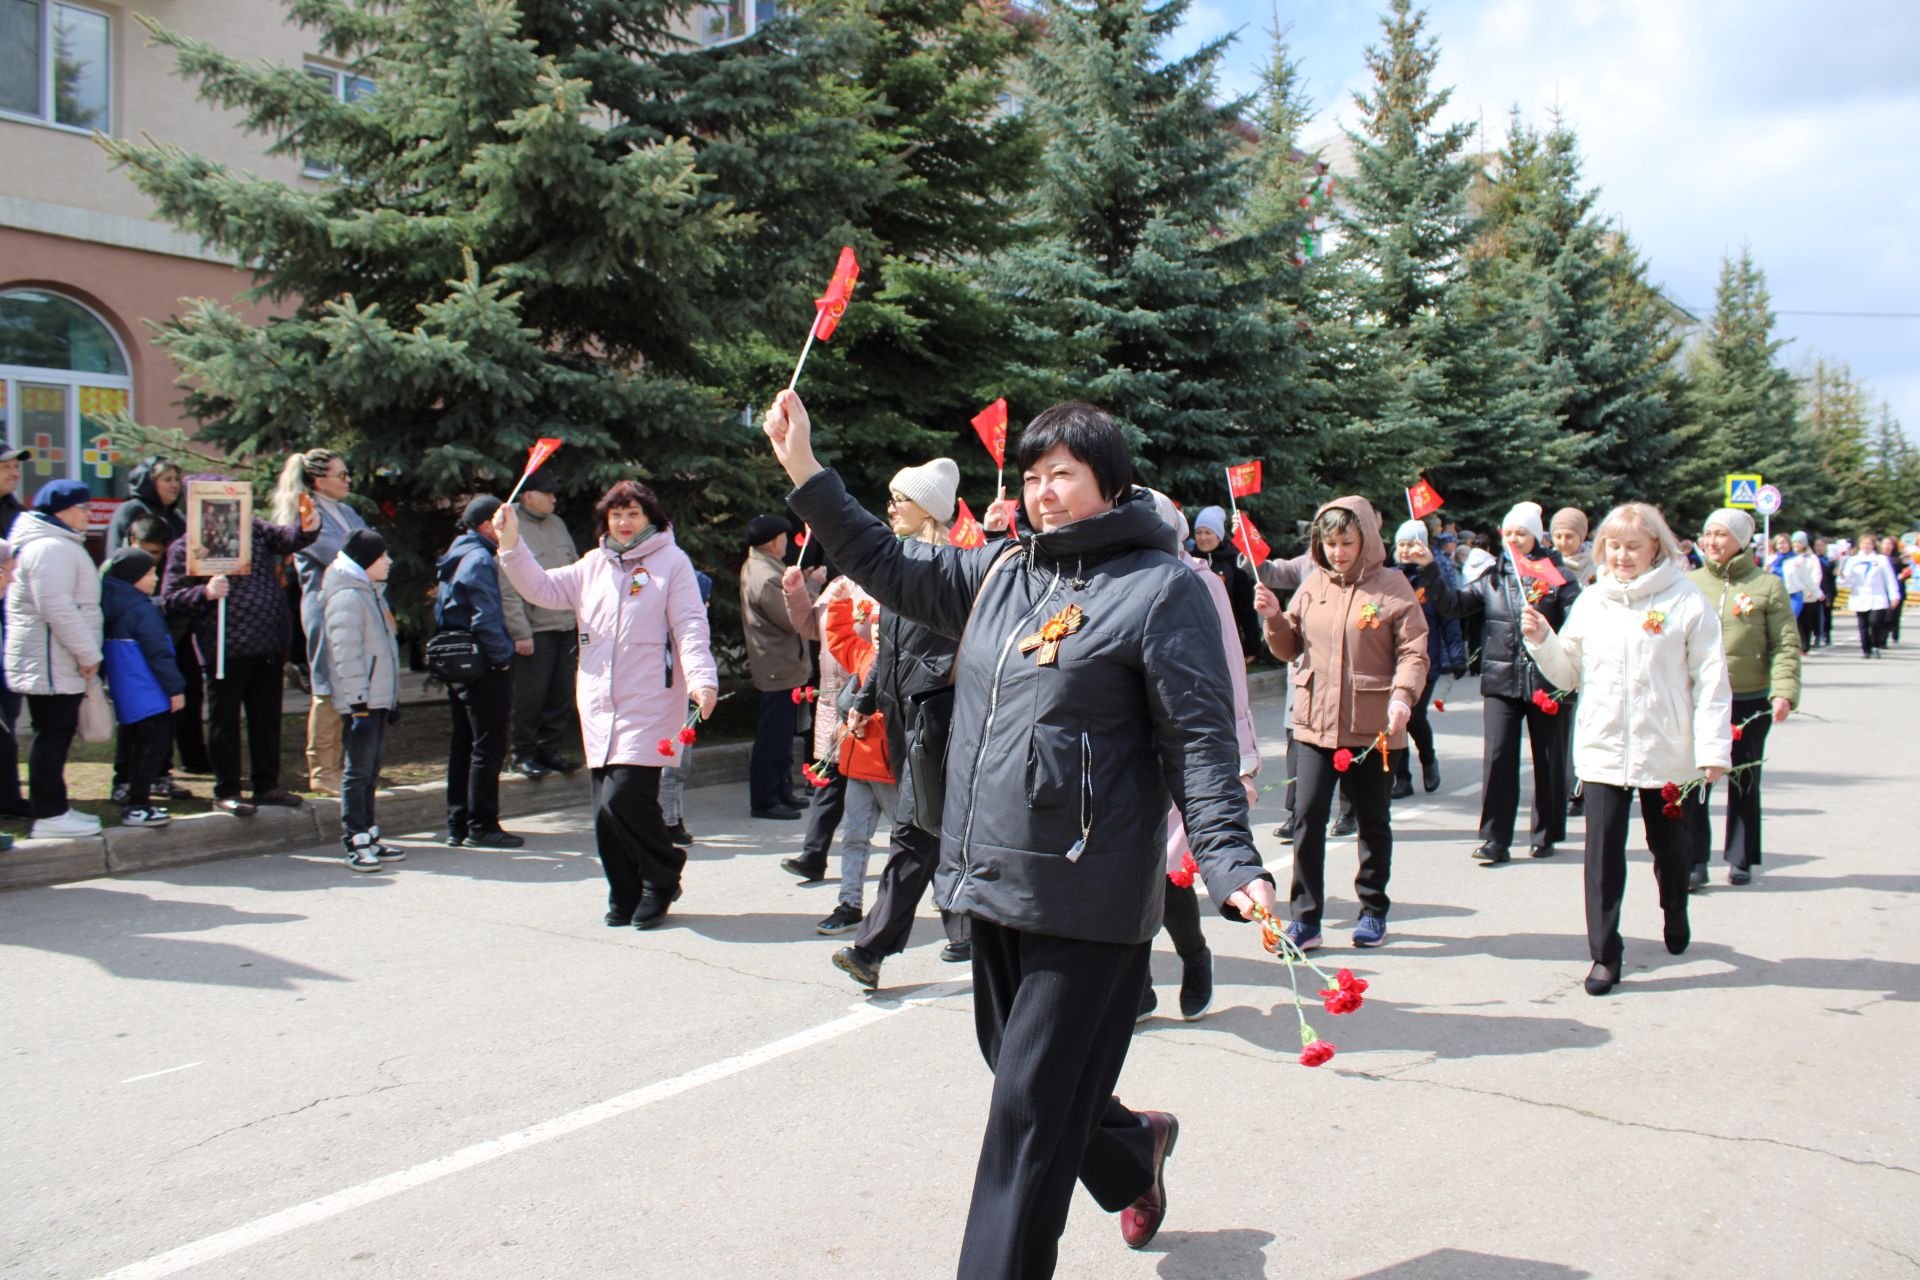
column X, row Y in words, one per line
column 1873, row 625
column 189, row 725
column 1893, row 619
column 252, row 686
column 1181, row 917
column 141, row 751
column 632, row 834
column 9, row 746
column 1609, row 809
column 825, row 808
column 1420, row 730
column 770, row 769
column 1500, row 798
column 1368, row 786
column 1742, row 847
column 543, row 693
column 56, row 718
column 474, row 757
column 1809, row 624
column 1054, row 1017
column 903, row 882
column 1569, row 781
column 364, row 738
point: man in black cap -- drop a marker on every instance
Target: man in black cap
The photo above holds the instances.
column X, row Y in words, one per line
column 546, row 642
column 777, row 657
column 469, row 600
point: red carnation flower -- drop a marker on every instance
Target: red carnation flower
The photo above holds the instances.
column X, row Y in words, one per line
column 819, row 779
column 1342, row 760
column 665, row 746
column 1183, row 874
column 1672, row 811
column 1737, row 731
column 1670, row 793
column 687, row 735
column 1439, row 704
column 799, row 696
column 1550, row 705
column 1316, row 1054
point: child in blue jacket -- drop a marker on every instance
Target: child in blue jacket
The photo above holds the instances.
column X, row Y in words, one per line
column 142, row 678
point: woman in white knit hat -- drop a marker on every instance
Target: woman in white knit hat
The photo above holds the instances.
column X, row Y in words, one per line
column 1510, row 684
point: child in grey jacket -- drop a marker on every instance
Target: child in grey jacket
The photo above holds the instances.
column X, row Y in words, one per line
column 364, row 655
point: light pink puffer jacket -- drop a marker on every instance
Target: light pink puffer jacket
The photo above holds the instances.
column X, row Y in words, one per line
column 1242, row 710
column 643, row 643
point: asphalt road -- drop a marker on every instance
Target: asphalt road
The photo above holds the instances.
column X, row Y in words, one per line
column 272, row 1067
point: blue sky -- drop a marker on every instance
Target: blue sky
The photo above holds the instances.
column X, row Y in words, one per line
column 1790, row 125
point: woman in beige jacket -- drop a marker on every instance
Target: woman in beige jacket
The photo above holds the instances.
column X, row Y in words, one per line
column 1358, row 639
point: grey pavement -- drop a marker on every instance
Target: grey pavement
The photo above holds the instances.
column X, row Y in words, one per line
column 272, row 1067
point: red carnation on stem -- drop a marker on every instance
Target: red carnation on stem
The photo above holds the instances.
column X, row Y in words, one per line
column 1737, row 731
column 665, row 746
column 799, row 696
column 687, row 735
column 1672, row 811
column 1670, row 793
column 1346, row 995
column 1316, row 1054
column 1183, row 874
column 1439, row 704
column 1342, row 760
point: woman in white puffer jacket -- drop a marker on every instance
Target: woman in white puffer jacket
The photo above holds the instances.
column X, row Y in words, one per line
column 1643, row 648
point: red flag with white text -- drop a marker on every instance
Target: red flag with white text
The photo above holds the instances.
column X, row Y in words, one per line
column 991, row 426
column 1246, row 538
column 1243, row 479
column 1528, row 567
column 966, row 531
column 831, row 305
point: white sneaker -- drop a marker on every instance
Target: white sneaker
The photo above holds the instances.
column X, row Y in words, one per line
column 361, row 854
column 69, row 824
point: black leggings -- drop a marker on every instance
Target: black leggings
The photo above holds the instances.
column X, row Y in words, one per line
column 1873, row 624
column 1368, row 787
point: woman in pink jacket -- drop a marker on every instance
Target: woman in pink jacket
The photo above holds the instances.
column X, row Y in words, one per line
column 643, row 656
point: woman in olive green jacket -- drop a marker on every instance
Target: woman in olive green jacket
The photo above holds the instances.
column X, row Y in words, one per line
column 1763, row 666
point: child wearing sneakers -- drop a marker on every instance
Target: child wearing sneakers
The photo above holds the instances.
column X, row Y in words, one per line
column 364, row 655
column 142, row 678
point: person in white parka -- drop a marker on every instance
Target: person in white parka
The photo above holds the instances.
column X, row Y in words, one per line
column 1643, row 648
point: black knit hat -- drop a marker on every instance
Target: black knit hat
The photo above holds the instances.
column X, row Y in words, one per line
column 763, row 529
column 479, row 511
column 365, row 547
column 129, row 564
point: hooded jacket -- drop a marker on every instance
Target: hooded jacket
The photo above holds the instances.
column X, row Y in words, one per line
column 360, row 639
column 551, row 543
column 53, row 608
column 469, row 596
column 643, row 642
column 1654, row 703
column 337, row 522
column 1505, row 669
column 137, row 660
column 144, row 500
column 1059, row 774
column 259, row 620
column 1757, row 624
column 1360, row 639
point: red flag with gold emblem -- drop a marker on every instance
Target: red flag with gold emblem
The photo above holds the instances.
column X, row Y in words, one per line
column 991, row 426
column 1246, row 538
column 1243, row 479
column 966, row 531
column 1423, row 499
column 832, row 304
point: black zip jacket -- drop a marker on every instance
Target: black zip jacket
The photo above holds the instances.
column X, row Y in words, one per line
column 1059, row 776
column 909, row 657
column 1506, row 669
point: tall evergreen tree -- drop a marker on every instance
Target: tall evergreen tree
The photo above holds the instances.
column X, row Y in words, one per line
column 1837, row 415
column 1143, row 292
column 1891, row 501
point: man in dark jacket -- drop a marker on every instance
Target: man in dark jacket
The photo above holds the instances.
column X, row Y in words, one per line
column 1084, row 706
column 1509, row 681
column 469, row 600
column 259, row 624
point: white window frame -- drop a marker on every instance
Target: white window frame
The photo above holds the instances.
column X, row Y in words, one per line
column 751, row 23
column 16, row 374
column 338, row 77
column 44, row 118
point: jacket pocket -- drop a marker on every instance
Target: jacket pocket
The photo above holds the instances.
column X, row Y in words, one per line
column 1303, row 697
column 1055, row 773
column 1370, row 697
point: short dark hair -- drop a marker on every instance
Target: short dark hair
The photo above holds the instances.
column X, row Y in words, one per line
column 1334, row 520
column 149, row 529
column 1091, row 435
column 629, row 493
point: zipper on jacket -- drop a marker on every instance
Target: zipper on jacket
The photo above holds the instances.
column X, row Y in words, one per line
column 613, row 654
column 986, row 732
column 1086, row 798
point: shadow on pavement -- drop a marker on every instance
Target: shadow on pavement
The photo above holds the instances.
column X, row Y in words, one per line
column 128, row 935
column 1464, row 1264
column 1194, row 1255
column 758, row 926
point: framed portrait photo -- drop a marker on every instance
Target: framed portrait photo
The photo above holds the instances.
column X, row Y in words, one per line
column 219, row 528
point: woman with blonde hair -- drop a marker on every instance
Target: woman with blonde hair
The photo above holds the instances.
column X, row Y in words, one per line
column 1643, row 648
column 320, row 478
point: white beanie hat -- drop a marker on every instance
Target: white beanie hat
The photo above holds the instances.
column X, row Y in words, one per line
column 934, row 486
column 1737, row 523
column 1412, row 531
column 1800, row 537
column 1212, row 518
column 1528, row 516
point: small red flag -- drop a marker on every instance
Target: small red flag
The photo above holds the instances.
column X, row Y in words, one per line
column 1528, row 567
column 1244, row 480
column 1423, row 499
column 831, row 305
column 543, row 448
column 1247, row 539
column 966, row 531
column 991, row 425
column 800, row 538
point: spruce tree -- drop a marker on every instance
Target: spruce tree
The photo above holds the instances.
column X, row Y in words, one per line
column 1838, row 418
column 1143, row 292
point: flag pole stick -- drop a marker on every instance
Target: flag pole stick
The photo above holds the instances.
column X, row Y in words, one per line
column 516, row 489
column 801, row 559
column 1234, row 533
column 220, row 643
column 795, row 380
column 1411, row 513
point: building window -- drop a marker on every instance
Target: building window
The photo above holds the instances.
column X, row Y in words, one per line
column 731, row 20
column 53, row 63
column 345, row 87
column 63, row 374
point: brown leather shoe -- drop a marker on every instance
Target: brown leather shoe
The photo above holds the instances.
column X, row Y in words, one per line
column 279, row 797
column 1140, row 1221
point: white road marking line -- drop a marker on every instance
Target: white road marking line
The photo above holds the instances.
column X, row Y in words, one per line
column 151, row 1074
column 223, row 1243
column 1466, row 791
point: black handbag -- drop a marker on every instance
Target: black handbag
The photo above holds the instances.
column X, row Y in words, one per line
column 929, row 726
column 455, row 657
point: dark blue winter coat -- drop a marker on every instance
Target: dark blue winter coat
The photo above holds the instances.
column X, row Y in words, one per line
column 137, row 658
column 469, row 598
column 1446, row 642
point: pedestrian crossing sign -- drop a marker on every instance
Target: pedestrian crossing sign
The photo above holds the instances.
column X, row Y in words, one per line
column 1743, row 492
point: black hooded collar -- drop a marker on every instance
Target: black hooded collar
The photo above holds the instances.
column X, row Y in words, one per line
column 1133, row 524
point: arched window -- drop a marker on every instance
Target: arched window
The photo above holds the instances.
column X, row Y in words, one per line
column 63, row 370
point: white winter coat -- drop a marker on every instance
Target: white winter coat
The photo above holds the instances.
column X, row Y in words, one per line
column 1801, row 574
column 53, row 608
column 1654, row 707
column 1868, row 578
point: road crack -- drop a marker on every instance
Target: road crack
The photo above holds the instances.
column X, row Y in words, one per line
column 294, row 1111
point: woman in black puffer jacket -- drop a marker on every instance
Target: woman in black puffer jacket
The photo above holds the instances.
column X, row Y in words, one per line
column 1085, row 704
column 1509, row 681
